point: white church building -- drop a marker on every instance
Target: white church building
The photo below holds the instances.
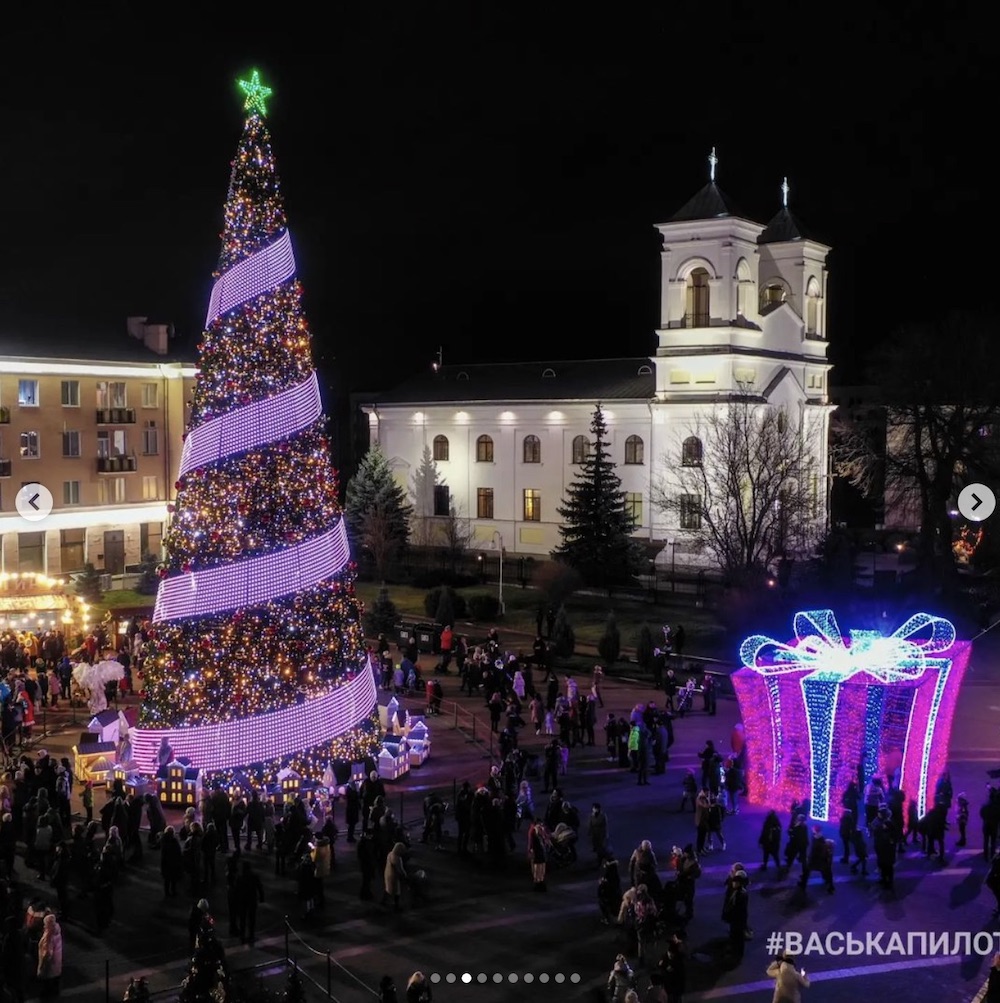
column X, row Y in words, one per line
column 742, row 313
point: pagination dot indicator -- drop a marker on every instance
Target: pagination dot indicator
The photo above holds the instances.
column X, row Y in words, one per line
column 482, row 977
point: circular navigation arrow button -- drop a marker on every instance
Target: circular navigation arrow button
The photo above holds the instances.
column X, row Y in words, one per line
column 977, row 502
column 34, row 502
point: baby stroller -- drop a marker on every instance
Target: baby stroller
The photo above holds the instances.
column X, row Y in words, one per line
column 562, row 850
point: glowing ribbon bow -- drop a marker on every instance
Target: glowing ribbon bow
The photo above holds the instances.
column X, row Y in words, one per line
column 820, row 647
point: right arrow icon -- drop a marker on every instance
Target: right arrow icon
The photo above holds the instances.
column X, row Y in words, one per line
column 977, row 502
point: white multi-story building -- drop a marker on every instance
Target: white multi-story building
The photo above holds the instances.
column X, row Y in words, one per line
column 742, row 313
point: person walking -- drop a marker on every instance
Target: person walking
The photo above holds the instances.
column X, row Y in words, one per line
column 394, row 875
column 736, row 912
column 50, row 957
column 538, row 853
column 820, row 859
column 770, row 840
column 597, row 826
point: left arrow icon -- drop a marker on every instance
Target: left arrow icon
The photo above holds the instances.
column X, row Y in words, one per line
column 34, row 501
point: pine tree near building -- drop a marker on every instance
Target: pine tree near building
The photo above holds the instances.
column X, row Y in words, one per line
column 376, row 508
column 256, row 616
column 596, row 525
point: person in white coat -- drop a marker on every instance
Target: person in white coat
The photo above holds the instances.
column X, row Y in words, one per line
column 788, row 981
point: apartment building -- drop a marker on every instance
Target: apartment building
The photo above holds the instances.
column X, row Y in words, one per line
column 99, row 421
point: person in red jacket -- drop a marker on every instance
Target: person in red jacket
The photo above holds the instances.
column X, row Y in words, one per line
column 447, row 640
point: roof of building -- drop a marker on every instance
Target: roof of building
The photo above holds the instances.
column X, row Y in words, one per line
column 61, row 341
column 709, row 203
column 783, row 227
column 587, row 379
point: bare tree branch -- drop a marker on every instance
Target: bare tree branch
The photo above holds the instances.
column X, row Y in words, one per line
column 753, row 497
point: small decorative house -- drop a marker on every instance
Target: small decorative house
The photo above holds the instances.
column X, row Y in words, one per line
column 290, row 784
column 178, row 784
column 105, row 726
column 393, row 762
column 85, row 756
column 386, row 713
column 419, row 743
column 358, row 773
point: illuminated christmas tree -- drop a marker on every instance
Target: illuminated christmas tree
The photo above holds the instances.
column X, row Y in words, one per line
column 257, row 650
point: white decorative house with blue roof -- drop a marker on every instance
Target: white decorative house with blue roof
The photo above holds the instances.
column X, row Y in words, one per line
column 742, row 316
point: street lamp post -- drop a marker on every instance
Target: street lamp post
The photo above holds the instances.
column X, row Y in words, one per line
column 497, row 535
column 673, row 564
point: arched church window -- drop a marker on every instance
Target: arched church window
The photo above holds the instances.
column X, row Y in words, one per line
column 691, row 452
column 697, row 311
column 440, row 447
column 812, row 307
column 744, row 289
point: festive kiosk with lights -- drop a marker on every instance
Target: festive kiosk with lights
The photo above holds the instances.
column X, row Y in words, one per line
column 258, row 658
column 825, row 709
column 36, row 602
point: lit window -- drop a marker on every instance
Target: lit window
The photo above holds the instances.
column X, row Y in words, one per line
column 484, row 449
column 70, row 393
column 440, row 447
column 581, row 449
column 29, row 446
column 150, row 488
column 484, row 503
column 633, row 506
column 111, row 491
column 532, row 505
column 111, row 395
column 150, row 395
column 633, row 449
column 772, row 295
column 532, row 449
column 27, row 393
column 691, row 452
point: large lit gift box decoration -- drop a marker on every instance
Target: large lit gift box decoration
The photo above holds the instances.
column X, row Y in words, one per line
column 826, row 709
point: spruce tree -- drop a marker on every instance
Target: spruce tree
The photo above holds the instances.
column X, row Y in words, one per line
column 374, row 489
column 596, row 526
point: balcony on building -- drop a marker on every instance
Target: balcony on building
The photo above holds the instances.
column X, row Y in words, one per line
column 115, row 416
column 116, row 464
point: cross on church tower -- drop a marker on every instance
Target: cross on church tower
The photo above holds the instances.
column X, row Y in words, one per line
column 712, row 161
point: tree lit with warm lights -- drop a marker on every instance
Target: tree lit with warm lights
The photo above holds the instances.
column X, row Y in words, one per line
column 256, row 610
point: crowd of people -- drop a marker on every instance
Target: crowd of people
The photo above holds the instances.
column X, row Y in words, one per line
column 649, row 901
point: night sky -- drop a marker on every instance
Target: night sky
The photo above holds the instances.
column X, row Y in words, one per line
column 489, row 182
